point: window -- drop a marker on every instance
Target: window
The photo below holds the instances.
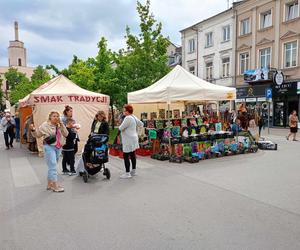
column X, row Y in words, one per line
column 244, row 62
column 290, row 54
column 19, row 62
column 266, row 20
column 209, row 39
column 191, row 45
column 209, row 70
column 292, row 11
column 226, row 33
column 265, row 58
column 245, row 27
column 192, row 69
column 225, row 67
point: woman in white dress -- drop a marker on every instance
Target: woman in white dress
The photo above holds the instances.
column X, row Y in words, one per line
column 130, row 140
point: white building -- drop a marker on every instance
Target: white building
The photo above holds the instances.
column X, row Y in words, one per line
column 174, row 55
column 208, row 48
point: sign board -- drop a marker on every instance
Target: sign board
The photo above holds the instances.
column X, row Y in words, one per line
column 240, row 100
column 258, row 75
column 250, row 99
column 261, row 99
column 269, row 93
column 298, row 88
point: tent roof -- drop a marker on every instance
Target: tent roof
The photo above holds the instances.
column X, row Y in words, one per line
column 59, row 85
column 181, row 85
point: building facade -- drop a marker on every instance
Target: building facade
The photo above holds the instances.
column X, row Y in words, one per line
column 267, row 55
column 174, row 55
column 207, row 49
column 17, row 58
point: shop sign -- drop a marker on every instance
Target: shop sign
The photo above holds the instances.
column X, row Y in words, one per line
column 240, row 100
column 257, row 75
column 289, row 89
column 278, row 78
column 298, row 88
column 261, row 99
column 250, row 99
column 251, row 91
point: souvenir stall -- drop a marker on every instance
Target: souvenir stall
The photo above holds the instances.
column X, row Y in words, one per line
column 176, row 130
column 59, row 92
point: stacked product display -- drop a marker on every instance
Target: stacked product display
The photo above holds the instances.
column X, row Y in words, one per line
column 190, row 140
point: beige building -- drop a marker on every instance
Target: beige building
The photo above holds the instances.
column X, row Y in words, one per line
column 267, row 45
column 17, row 58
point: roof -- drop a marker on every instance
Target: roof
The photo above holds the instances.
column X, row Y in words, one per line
column 181, row 85
column 205, row 20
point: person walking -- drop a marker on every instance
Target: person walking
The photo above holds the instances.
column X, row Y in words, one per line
column 261, row 124
column 8, row 124
column 17, row 120
column 100, row 125
column 130, row 140
column 30, row 139
column 293, row 124
column 52, row 131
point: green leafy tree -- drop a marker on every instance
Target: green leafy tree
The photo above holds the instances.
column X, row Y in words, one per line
column 145, row 60
column 106, row 80
column 14, row 78
column 1, row 93
column 81, row 72
column 25, row 87
column 39, row 76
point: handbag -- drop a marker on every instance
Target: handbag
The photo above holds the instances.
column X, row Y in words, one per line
column 50, row 139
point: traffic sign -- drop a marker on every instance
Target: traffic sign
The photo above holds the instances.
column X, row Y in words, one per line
column 269, row 93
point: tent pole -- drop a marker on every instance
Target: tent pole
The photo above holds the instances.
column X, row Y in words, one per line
column 169, row 127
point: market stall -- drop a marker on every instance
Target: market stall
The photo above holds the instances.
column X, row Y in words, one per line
column 175, row 134
column 59, row 92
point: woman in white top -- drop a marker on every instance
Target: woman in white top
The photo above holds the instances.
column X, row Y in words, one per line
column 130, row 140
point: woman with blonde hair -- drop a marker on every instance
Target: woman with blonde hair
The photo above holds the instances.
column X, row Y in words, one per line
column 100, row 125
column 52, row 131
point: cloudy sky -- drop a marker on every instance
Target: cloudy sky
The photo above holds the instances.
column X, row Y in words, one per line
column 55, row 30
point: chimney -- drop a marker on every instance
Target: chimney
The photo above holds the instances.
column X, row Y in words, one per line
column 16, row 31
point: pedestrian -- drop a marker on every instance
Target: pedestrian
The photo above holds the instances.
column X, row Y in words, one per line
column 52, row 131
column 8, row 124
column 100, row 125
column 30, row 139
column 130, row 140
column 293, row 124
column 68, row 150
column 67, row 113
column 17, row 120
column 261, row 124
column 252, row 127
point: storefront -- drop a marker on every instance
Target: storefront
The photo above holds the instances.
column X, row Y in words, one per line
column 254, row 97
column 286, row 99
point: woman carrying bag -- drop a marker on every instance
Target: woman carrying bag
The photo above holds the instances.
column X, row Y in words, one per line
column 130, row 140
column 52, row 131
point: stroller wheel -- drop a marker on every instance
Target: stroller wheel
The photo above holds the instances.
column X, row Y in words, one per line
column 85, row 177
column 107, row 173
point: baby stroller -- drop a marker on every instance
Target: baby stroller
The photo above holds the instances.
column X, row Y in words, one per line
column 94, row 156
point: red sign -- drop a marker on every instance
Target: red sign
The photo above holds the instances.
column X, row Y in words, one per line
column 70, row 99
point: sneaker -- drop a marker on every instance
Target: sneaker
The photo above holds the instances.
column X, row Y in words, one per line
column 65, row 172
column 133, row 172
column 73, row 172
column 126, row 176
column 11, row 146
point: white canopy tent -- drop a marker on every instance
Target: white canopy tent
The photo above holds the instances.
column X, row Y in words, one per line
column 181, row 86
column 59, row 92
